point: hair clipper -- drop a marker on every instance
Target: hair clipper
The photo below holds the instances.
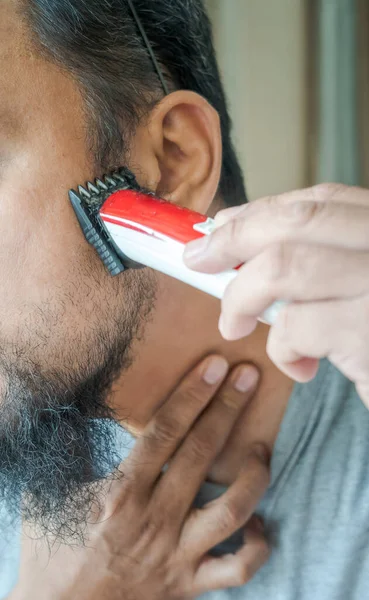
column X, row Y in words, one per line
column 132, row 228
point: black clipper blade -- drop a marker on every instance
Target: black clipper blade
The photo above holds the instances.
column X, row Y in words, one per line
column 87, row 201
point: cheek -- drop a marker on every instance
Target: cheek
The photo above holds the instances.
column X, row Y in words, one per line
column 58, row 305
column 51, row 278
column 59, row 308
column 32, row 254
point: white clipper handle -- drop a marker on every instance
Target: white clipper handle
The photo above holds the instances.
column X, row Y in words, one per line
column 165, row 254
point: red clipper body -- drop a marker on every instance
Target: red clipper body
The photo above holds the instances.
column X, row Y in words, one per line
column 130, row 228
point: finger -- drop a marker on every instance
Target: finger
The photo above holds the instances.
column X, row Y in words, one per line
column 171, row 423
column 270, row 221
column 218, row 520
column 330, row 192
column 337, row 330
column 292, row 272
column 205, row 441
column 234, row 570
column 323, row 192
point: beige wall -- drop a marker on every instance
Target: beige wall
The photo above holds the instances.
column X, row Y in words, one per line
column 261, row 47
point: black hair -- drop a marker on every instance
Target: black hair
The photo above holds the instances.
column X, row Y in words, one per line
column 99, row 42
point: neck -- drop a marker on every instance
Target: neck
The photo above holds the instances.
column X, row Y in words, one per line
column 182, row 331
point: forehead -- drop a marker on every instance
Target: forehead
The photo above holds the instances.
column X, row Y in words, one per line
column 36, row 96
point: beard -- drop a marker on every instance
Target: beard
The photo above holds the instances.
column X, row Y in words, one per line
column 57, row 432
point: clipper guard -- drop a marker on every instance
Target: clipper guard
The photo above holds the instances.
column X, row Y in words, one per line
column 87, row 202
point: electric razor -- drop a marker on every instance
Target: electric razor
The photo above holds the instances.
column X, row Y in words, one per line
column 131, row 228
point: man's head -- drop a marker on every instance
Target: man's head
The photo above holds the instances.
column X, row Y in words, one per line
column 79, row 97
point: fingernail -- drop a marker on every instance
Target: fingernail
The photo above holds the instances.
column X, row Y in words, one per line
column 215, row 370
column 246, row 379
column 195, row 249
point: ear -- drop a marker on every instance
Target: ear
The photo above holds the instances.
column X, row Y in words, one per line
column 178, row 150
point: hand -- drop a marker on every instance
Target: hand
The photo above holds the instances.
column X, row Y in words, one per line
column 311, row 248
column 148, row 541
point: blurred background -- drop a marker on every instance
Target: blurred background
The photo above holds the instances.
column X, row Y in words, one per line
column 297, row 77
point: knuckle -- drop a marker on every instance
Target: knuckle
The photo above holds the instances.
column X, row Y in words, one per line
column 244, row 574
column 193, row 394
column 233, row 515
column 235, row 231
column 271, row 202
column 301, row 213
column 164, row 430
column 253, row 483
column 245, row 499
column 236, row 227
column 231, row 400
column 327, row 191
column 200, row 447
column 151, row 528
column 188, row 402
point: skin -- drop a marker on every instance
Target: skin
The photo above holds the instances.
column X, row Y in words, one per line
column 56, row 294
column 39, row 132
column 62, row 315
column 139, row 545
column 42, row 147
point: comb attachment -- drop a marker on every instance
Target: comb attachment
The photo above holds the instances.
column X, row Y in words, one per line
column 88, row 200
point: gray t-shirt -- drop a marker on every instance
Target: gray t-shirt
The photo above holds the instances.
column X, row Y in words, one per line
column 317, row 507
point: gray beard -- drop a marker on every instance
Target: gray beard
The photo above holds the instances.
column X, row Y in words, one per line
column 58, row 434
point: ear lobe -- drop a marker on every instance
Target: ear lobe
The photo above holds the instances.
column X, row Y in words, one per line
column 186, row 136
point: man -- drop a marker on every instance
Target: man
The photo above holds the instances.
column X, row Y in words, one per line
column 78, row 82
